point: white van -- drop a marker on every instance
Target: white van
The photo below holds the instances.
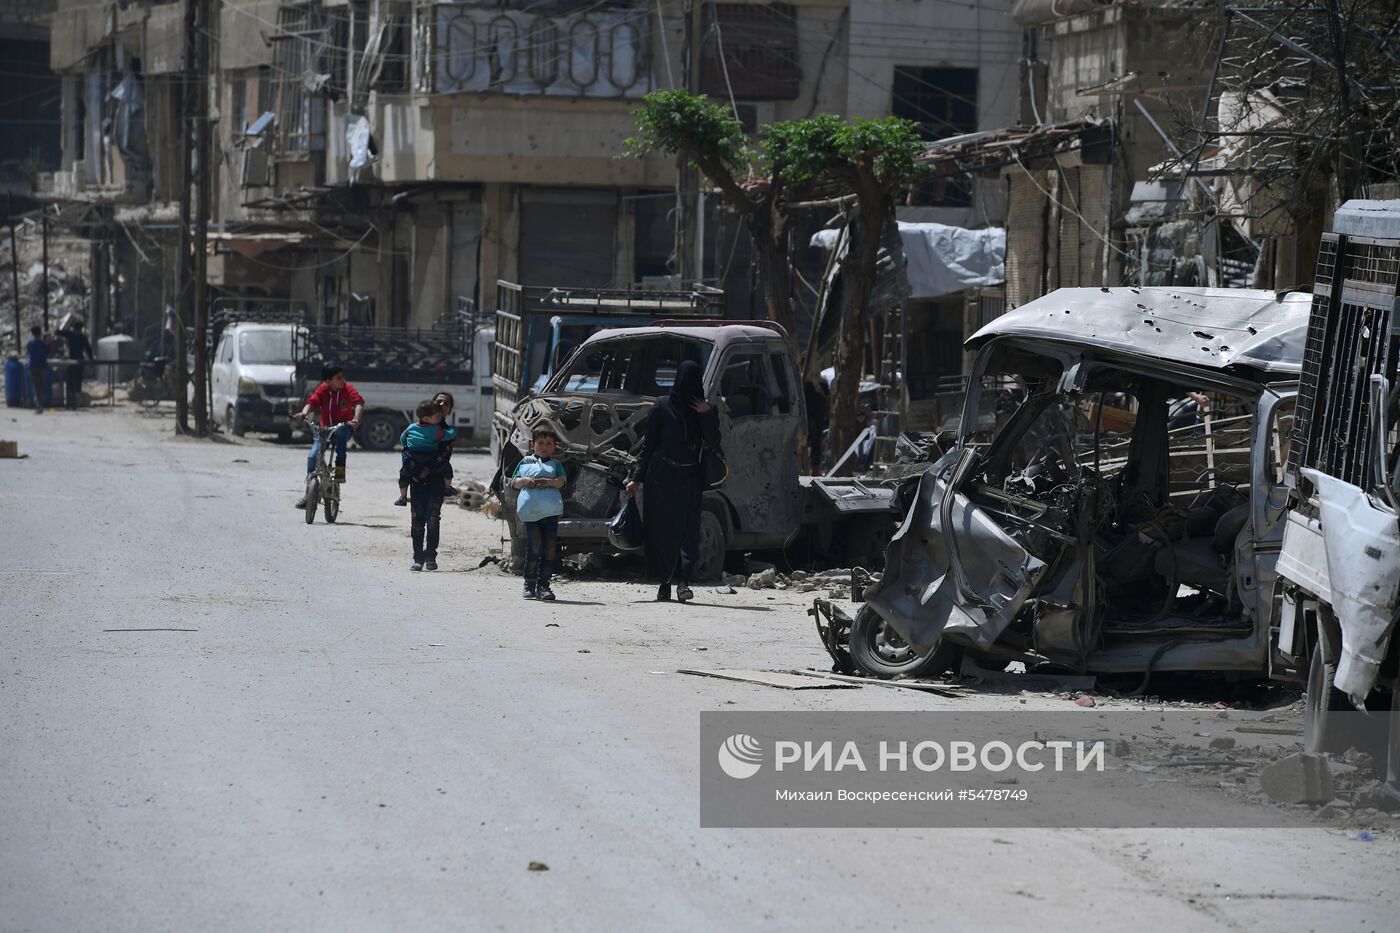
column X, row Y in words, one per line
column 253, row 379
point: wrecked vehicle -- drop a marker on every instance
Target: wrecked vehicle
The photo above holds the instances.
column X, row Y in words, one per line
column 1126, row 514
column 599, row 401
column 1340, row 564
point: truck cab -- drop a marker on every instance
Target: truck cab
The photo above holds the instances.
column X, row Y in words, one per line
column 1339, row 567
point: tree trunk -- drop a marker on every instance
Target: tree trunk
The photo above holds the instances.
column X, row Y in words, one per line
column 776, row 269
column 847, row 420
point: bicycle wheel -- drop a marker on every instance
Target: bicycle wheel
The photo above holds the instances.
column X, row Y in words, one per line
column 313, row 497
column 332, row 501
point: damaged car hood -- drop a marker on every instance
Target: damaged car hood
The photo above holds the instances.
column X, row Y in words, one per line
column 1217, row 328
column 918, row 594
column 604, row 426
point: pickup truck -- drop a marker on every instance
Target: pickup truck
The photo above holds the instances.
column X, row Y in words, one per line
column 598, row 402
column 1339, row 569
column 262, row 370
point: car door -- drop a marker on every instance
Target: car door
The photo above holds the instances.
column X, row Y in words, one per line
column 760, row 415
column 221, row 390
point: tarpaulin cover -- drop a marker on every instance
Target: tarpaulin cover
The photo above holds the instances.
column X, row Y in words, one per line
column 943, row 259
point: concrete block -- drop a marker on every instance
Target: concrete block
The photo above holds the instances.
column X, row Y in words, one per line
column 1300, row 778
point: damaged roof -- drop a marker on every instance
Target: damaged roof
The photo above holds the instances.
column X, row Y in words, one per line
column 1217, row 328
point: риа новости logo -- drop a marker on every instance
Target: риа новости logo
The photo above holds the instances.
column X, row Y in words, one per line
column 741, row 756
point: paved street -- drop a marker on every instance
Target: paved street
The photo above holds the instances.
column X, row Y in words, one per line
column 213, row 716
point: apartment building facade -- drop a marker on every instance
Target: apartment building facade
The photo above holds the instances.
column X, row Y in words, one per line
column 380, row 161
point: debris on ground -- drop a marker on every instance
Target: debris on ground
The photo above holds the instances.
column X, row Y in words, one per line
column 780, row 679
column 538, row 866
column 1299, row 778
column 472, row 496
column 9, row 450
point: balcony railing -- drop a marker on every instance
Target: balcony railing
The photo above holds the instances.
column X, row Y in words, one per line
column 598, row 51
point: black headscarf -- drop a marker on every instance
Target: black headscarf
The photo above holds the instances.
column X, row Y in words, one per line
column 687, row 388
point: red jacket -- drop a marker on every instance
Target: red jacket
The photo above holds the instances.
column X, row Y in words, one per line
column 334, row 406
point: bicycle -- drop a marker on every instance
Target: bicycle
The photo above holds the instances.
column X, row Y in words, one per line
column 322, row 486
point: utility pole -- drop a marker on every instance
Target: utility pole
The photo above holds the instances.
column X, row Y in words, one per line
column 201, row 225
column 14, row 264
column 687, row 177
column 182, row 264
column 44, row 236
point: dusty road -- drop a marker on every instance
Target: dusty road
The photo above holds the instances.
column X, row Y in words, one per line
column 215, row 717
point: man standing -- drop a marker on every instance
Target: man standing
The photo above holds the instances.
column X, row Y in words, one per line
column 79, row 349
column 334, row 401
column 38, row 350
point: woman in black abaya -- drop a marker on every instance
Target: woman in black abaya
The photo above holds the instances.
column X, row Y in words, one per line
column 668, row 474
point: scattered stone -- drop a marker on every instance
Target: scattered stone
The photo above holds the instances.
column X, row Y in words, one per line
column 538, row 866
column 799, row 575
column 1222, row 742
column 807, row 587
column 1333, row 809
column 839, row 592
column 1297, row 778
column 1358, row 758
column 1368, row 795
column 764, row 580
column 1085, row 701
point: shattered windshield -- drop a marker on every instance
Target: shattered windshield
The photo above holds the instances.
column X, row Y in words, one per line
column 641, row 366
column 266, row 346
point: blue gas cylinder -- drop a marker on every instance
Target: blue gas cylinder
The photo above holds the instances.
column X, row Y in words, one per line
column 14, row 382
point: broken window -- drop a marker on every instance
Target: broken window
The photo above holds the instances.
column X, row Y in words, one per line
column 782, row 382
column 395, row 49
column 302, row 45
column 645, row 367
column 761, row 59
column 744, row 385
column 943, row 101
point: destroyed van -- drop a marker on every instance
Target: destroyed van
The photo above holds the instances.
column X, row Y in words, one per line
column 1127, row 511
column 1340, row 564
column 598, row 402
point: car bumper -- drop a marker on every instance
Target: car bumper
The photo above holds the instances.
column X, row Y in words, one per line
column 264, row 414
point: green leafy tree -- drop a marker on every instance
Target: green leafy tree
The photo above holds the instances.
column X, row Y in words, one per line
column 712, row 139
column 874, row 160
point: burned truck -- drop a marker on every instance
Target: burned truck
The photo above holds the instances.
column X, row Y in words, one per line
column 1127, row 512
column 1340, row 564
column 598, row 402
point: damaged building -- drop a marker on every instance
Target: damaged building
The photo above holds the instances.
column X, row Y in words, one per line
column 385, row 162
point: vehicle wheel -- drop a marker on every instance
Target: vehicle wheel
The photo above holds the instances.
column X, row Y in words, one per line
column 234, row 425
column 313, row 498
column 380, row 431
column 1321, row 700
column 878, row 650
column 709, row 563
column 332, row 510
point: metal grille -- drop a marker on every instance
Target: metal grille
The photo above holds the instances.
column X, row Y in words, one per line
column 1351, row 337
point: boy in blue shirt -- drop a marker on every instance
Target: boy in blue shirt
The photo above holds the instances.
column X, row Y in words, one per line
column 539, row 477
column 38, row 350
column 422, row 444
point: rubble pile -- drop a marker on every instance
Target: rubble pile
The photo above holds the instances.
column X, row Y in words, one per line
column 67, row 281
column 836, row 582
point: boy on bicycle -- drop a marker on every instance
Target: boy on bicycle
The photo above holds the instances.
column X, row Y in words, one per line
column 334, row 400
